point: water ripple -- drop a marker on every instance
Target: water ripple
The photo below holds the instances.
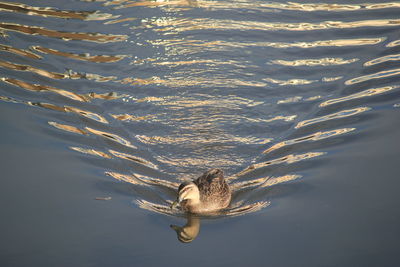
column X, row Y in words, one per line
column 135, row 159
column 384, row 59
column 393, row 43
column 54, row 75
column 373, row 76
column 312, row 137
column 365, row 93
column 248, row 6
column 292, row 158
column 41, row 72
column 111, row 136
column 333, row 116
column 66, row 36
column 83, row 57
column 90, row 151
column 67, row 128
column 50, row 12
column 252, row 87
column 20, row 52
column 86, row 113
column 42, row 88
column 314, row 62
column 194, row 46
column 178, row 25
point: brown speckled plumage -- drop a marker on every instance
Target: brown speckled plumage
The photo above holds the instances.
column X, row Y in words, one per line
column 215, row 193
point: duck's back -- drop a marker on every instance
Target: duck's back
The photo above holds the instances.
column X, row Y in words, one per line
column 214, row 191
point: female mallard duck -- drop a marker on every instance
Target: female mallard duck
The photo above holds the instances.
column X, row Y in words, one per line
column 206, row 194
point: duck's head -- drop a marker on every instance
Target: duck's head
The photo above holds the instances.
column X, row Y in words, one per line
column 188, row 194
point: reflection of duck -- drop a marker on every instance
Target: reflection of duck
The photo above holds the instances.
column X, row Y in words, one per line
column 206, row 194
column 189, row 231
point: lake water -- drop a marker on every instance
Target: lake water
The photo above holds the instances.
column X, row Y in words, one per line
column 107, row 106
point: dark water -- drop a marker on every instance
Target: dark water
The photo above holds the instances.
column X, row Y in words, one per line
column 298, row 103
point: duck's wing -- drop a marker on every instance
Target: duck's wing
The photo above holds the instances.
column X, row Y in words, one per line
column 212, row 187
column 209, row 177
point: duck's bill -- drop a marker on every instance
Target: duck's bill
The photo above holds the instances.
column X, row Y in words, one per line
column 174, row 204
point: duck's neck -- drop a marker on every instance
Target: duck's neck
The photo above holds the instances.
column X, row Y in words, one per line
column 191, row 204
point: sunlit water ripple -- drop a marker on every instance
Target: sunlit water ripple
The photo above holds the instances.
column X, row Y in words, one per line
column 160, row 91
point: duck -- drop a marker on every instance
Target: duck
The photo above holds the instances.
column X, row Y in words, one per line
column 209, row 193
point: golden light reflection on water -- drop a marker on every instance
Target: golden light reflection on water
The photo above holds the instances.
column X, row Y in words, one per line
column 262, row 182
column 177, row 25
column 192, row 80
column 284, row 118
column 332, row 7
column 383, row 59
column 365, row 93
column 78, row 111
column 50, row 12
column 130, row 117
column 42, row 88
column 292, row 158
column 331, row 79
column 333, row 116
column 134, row 179
column 54, row 75
column 46, row 106
column 288, row 159
column 20, row 52
column 183, row 163
column 290, row 82
column 159, row 3
column 143, row 180
column 110, row 136
column 104, row 96
column 70, row 74
column 119, row 20
column 84, row 57
column 312, row 137
column 135, row 159
column 255, row 5
column 209, row 62
column 393, row 43
column 67, row 128
column 87, row 114
column 66, row 36
column 114, row 137
column 187, row 46
column 41, row 72
column 327, row 43
column 124, row 177
column 373, row 76
column 314, row 62
column 154, row 140
column 62, row 92
column 202, row 100
column 296, row 99
column 281, row 179
column 90, row 151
